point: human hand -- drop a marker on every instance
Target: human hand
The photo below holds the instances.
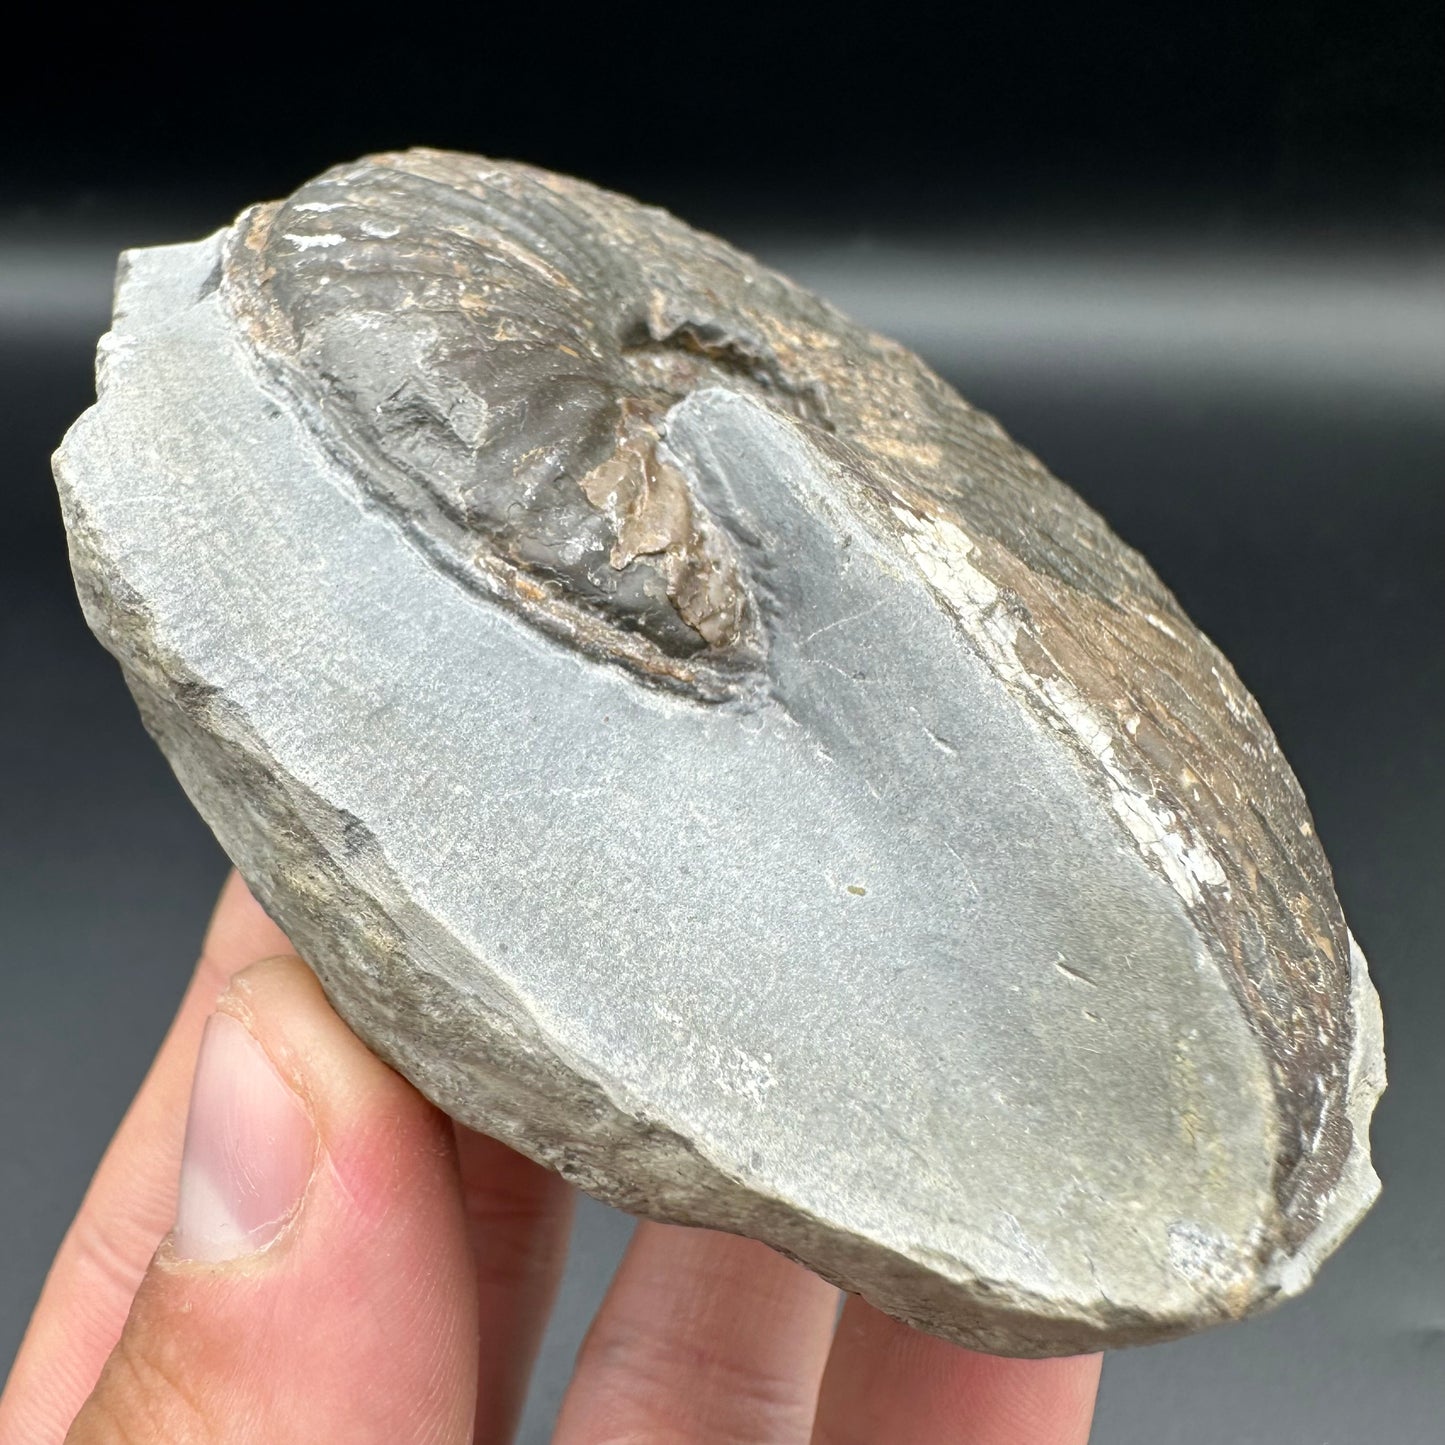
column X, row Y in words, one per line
column 342, row 1264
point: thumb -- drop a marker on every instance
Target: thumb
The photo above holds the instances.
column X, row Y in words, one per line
column 317, row 1286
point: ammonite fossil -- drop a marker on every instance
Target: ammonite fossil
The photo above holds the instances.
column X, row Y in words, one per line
column 697, row 747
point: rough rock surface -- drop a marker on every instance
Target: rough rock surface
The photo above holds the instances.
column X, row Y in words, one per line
column 696, row 747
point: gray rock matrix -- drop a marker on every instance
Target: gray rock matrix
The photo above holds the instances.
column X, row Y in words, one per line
column 694, row 746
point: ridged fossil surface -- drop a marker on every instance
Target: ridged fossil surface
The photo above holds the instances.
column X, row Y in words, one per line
column 697, row 747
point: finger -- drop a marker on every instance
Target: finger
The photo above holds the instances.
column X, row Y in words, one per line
column 702, row 1337
column 519, row 1217
column 131, row 1200
column 315, row 1286
column 888, row 1382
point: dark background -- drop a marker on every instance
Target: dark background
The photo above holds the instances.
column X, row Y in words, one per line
column 858, row 115
column 1195, row 259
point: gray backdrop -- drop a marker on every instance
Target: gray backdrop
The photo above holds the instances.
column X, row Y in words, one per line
column 1264, row 421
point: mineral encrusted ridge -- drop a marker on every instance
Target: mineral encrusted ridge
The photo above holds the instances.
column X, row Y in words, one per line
column 767, row 551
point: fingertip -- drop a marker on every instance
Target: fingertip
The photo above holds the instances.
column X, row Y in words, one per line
column 240, row 929
column 283, row 1004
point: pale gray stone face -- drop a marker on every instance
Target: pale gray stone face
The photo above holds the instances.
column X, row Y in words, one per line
column 693, row 746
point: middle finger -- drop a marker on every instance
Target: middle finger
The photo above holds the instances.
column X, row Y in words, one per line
column 702, row 1337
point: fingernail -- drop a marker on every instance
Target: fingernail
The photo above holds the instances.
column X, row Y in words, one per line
column 249, row 1149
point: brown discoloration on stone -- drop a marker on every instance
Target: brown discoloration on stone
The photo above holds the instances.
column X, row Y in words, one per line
column 541, row 328
column 651, row 509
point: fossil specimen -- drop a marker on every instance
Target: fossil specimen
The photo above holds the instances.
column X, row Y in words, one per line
column 696, row 747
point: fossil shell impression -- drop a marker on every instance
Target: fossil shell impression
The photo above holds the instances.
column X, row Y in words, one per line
column 695, row 746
